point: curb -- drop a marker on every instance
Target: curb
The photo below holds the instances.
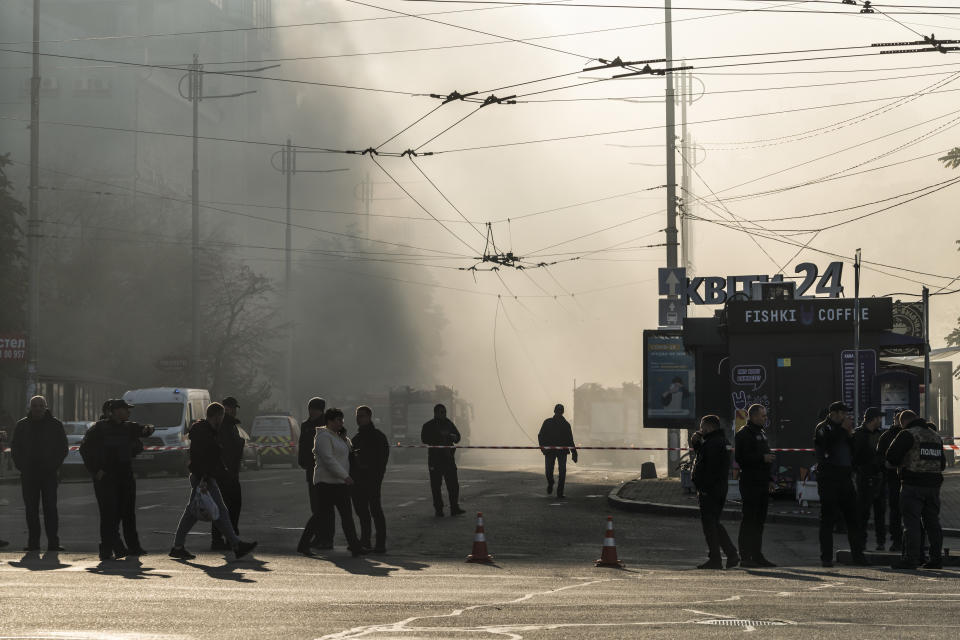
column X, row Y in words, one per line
column 690, row 511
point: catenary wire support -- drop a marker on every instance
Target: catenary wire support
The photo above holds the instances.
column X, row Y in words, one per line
column 933, row 45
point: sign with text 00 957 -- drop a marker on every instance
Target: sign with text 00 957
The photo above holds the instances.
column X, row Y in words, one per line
column 669, row 381
column 13, row 347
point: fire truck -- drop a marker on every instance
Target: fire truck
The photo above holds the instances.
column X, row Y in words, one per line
column 410, row 408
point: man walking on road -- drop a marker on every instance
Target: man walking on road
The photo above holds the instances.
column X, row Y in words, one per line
column 441, row 462
column 833, row 442
column 752, row 453
column 318, row 532
column 371, row 451
column 231, row 444
column 711, row 468
column 206, row 465
column 556, row 432
column 871, row 488
column 39, row 446
column 918, row 451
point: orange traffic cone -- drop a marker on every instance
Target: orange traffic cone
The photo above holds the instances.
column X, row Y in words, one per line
column 479, row 544
column 608, row 557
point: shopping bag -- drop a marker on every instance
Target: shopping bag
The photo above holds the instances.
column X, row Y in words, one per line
column 203, row 505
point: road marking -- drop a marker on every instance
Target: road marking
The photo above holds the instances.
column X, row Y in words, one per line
column 150, row 506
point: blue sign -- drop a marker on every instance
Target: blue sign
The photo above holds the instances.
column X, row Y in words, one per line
column 672, row 282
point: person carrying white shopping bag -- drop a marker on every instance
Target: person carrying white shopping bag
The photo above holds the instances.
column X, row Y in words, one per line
column 206, row 503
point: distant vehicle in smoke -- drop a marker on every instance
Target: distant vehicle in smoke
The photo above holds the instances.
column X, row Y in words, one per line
column 410, row 408
column 275, row 437
column 171, row 410
column 73, row 463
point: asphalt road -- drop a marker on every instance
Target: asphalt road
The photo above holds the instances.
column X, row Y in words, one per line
column 543, row 585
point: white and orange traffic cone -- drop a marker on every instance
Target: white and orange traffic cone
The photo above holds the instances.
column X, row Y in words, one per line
column 608, row 557
column 479, row 544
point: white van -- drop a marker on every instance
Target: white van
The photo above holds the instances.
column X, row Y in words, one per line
column 171, row 410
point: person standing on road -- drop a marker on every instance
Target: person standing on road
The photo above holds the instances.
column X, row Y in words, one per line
column 833, row 442
column 892, row 480
column 556, row 432
column 206, row 466
column 39, row 447
column 871, row 488
column 332, row 450
column 108, row 449
column 918, row 452
column 318, row 532
column 442, row 462
column 752, row 453
column 231, row 444
column 711, row 468
column 371, row 452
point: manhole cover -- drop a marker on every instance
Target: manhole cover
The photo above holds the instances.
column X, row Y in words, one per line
column 727, row 622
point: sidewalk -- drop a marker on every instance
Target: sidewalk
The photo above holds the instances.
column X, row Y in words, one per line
column 664, row 496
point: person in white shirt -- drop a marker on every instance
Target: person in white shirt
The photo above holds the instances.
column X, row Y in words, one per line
column 331, row 449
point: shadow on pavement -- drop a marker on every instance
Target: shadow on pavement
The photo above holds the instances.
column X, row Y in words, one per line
column 33, row 561
column 835, row 574
column 232, row 570
column 130, row 568
column 805, row 575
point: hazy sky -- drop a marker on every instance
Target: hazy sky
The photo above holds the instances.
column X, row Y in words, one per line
column 544, row 344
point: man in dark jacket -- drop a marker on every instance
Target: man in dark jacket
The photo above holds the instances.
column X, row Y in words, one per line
column 711, row 468
column 108, row 449
column 918, row 452
column 753, row 456
column 319, row 530
column 371, row 451
column 206, row 465
column 231, row 444
column 892, row 480
column 39, row 446
column 868, row 466
column 833, row 442
column 441, row 462
column 556, row 432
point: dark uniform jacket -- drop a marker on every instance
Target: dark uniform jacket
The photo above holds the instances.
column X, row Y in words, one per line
column 886, row 439
column 371, row 451
column 711, row 466
column 206, row 456
column 231, row 444
column 866, row 460
column 556, row 432
column 440, row 432
column 750, row 445
column 308, row 433
column 834, row 447
column 918, row 451
column 39, row 446
column 110, row 446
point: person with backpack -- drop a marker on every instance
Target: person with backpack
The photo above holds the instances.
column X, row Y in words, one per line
column 206, row 465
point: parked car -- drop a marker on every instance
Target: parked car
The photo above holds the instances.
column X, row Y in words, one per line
column 277, row 436
column 73, row 463
column 251, row 460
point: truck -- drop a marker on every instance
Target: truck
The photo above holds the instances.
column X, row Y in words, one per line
column 410, row 408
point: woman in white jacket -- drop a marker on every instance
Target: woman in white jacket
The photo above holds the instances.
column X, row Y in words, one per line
column 331, row 449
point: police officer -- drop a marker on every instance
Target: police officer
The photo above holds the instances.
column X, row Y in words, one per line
column 711, row 467
column 918, row 452
column 39, row 446
column 318, row 532
column 833, row 442
column 556, row 432
column 443, row 467
column 752, row 453
column 228, row 480
column 108, row 450
column 371, row 452
column 892, row 481
column 868, row 466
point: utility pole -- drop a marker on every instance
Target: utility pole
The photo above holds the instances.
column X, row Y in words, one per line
column 288, row 167
column 856, row 337
column 673, row 435
column 195, row 95
column 926, row 353
column 33, row 222
column 689, row 154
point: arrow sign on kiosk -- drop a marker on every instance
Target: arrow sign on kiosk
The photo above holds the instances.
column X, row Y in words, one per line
column 672, row 282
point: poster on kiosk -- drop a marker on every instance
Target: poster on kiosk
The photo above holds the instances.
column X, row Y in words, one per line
column 669, row 380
